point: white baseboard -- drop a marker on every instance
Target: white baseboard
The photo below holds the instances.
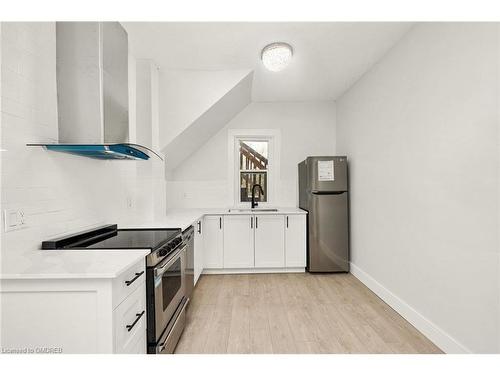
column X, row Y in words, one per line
column 220, row 271
column 439, row 337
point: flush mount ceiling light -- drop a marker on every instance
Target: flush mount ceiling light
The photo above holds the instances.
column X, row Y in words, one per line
column 276, row 56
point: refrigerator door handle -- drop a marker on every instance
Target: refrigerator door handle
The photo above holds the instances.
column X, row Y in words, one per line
column 319, row 192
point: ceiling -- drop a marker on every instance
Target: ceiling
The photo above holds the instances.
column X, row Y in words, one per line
column 328, row 57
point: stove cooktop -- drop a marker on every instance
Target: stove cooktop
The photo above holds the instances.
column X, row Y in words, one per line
column 110, row 237
column 135, row 239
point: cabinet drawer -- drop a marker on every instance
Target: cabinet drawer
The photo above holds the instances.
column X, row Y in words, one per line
column 139, row 347
column 130, row 322
column 128, row 282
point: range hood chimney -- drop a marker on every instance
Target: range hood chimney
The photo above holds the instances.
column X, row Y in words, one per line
column 92, row 92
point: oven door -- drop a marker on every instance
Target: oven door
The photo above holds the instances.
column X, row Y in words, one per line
column 173, row 333
column 169, row 289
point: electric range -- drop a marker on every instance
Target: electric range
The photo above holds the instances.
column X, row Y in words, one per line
column 161, row 241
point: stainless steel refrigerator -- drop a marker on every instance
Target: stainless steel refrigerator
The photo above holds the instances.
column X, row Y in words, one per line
column 324, row 194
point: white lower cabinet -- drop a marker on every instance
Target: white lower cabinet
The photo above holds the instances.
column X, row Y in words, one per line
column 269, row 241
column 252, row 243
column 295, row 241
column 198, row 250
column 77, row 315
column 213, row 242
column 238, row 241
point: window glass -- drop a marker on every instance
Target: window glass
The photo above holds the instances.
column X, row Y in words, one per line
column 247, row 181
column 253, row 155
column 253, row 169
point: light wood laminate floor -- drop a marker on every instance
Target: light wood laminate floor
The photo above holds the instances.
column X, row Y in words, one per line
column 294, row 313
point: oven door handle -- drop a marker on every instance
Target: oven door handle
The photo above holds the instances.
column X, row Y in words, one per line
column 160, row 271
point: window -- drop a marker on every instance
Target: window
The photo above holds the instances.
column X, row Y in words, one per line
column 254, row 158
column 253, row 169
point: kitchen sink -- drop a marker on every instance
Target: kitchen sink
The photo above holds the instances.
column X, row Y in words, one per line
column 253, row 210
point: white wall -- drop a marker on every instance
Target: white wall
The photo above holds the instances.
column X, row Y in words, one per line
column 1, row 125
column 307, row 128
column 151, row 175
column 59, row 193
column 144, row 115
column 420, row 130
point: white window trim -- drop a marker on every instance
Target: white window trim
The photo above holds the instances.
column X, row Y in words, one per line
column 273, row 174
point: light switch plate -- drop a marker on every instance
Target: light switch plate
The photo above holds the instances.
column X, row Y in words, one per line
column 14, row 219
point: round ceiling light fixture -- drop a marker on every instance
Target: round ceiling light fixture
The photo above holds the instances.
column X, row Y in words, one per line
column 276, row 56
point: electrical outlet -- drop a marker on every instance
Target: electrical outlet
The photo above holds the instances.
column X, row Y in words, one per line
column 14, row 219
column 130, row 202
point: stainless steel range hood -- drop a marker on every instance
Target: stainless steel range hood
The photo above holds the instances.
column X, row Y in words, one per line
column 92, row 92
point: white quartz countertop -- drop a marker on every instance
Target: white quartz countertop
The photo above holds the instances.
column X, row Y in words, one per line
column 70, row 264
column 183, row 218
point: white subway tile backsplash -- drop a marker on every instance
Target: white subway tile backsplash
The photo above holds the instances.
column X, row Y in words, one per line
column 213, row 194
column 30, row 37
column 12, row 107
column 12, row 58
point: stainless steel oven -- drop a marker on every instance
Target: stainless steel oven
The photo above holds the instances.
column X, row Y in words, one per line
column 165, row 285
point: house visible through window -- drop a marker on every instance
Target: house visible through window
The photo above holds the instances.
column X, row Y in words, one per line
column 253, row 169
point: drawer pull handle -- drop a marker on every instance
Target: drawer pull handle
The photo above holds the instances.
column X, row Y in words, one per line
column 139, row 316
column 137, row 275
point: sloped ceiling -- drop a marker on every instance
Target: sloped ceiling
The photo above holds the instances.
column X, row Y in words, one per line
column 185, row 95
column 199, row 131
column 328, row 57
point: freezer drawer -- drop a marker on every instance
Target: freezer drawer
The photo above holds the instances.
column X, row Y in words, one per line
column 328, row 229
column 317, row 181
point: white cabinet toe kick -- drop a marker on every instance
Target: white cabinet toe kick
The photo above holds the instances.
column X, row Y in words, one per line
column 232, row 271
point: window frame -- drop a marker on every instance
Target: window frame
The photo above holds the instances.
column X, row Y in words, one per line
column 272, row 136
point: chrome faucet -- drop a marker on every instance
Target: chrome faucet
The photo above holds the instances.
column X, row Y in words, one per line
column 254, row 203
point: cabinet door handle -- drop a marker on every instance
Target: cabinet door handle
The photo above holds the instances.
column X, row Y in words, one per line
column 256, row 222
column 199, row 227
column 137, row 275
column 251, row 222
column 220, row 222
column 139, row 316
column 287, row 221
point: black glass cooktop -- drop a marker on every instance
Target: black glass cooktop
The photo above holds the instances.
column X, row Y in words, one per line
column 110, row 237
column 135, row 238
